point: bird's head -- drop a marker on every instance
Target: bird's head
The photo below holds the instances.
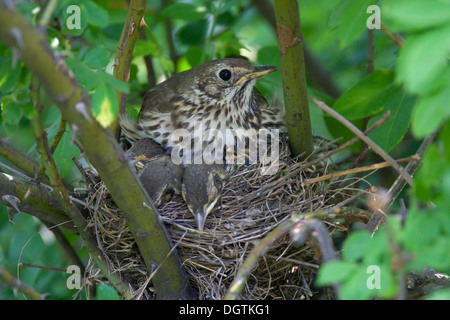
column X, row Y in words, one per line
column 202, row 187
column 231, row 78
column 226, row 79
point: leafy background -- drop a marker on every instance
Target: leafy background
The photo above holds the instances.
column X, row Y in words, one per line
column 412, row 81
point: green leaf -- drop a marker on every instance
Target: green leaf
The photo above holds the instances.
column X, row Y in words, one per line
column 387, row 136
column 444, row 136
column 355, row 288
column 365, row 282
column 194, row 56
column 97, row 57
column 144, row 48
column 63, row 154
column 87, row 77
column 96, row 15
column 367, row 97
column 422, row 59
column 9, row 75
column 193, row 33
column 356, row 246
column 28, row 110
column 184, row 11
column 335, row 271
column 117, row 84
column 105, row 106
column 430, row 170
column 11, row 112
column 106, row 292
column 410, row 15
column 166, row 64
column 338, row 130
column 431, row 112
column 351, row 16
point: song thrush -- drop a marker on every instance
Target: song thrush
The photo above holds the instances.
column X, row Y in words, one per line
column 219, row 94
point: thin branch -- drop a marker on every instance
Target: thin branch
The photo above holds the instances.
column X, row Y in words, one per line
column 394, row 37
column 65, row 245
column 34, row 92
column 33, row 199
column 16, row 157
column 124, row 54
column 101, row 149
column 411, row 168
column 12, row 282
column 54, row 145
column 375, row 166
column 400, row 183
column 47, row 13
column 370, row 51
column 306, row 225
column 365, row 138
column 327, row 155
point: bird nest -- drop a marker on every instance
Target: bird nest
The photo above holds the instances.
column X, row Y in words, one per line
column 252, row 205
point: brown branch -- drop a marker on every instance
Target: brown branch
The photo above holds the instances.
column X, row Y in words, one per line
column 365, row 138
column 292, row 62
column 370, row 51
column 34, row 92
column 63, row 198
column 394, row 37
column 124, row 54
column 33, row 199
column 371, row 167
column 314, row 70
column 302, row 227
column 101, row 149
column 399, row 184
column 16, row 157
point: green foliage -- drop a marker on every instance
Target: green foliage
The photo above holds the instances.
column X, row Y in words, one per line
column 106, row 292
column 351, row 18
column 363, row 257
column 416, row 91
column 412, row 82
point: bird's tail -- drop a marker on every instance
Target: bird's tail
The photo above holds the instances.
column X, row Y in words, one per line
column 131, row 130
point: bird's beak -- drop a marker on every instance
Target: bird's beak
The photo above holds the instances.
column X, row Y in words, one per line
column 200, row 215
column 200, row 218
column 258, row 72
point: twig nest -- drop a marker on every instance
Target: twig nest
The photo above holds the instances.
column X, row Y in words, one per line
column 251, row 206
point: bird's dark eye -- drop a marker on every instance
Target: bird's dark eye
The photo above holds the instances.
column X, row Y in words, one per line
column 225, row 74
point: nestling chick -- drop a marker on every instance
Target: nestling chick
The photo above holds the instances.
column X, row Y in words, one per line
column 143, row 151
column 201, row 188
column 161, row 178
